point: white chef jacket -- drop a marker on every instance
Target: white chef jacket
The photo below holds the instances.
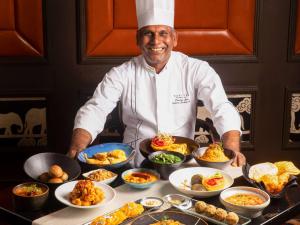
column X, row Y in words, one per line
column 164, row 102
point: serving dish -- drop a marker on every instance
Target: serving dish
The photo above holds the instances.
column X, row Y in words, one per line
column 292, row 182
column 151, row 202
column 106, row 147
column 187, row 204
column 138, row 172
column 40, row 163
column 181, row 180
column 218, row 165
column 30, row 196
column 128, row 219
column 171, row 214
column 251, row 211
column 62, row 194
column 165, row 169
column 146, row 149
column 104, row 181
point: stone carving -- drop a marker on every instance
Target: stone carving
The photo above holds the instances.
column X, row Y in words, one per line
column 35, row 117
column 9, row 119
column 295, row 107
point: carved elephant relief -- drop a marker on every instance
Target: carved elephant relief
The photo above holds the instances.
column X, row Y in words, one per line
column 8, row 120
column 35, row 117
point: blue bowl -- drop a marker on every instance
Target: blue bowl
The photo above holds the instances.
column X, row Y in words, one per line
column 140, row 185
column 107, row 147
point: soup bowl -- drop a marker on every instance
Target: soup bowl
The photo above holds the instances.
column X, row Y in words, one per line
column 245, row 207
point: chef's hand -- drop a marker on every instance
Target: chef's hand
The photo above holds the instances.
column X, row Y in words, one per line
column 80, row 140
column 239, row 159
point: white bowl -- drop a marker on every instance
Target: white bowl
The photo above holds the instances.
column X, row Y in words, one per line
column 181, row 180
column 106, row 181
column 251, row 211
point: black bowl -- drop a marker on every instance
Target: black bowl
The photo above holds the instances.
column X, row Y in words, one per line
column 166, row 169
column 29, row 203
column 218, row 165
column 292, row 182
column 146, row 149
column 37, row 164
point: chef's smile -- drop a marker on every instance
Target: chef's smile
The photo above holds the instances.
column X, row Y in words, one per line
column 156, row 43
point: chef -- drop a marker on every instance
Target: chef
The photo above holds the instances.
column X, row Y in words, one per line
column 158, row 90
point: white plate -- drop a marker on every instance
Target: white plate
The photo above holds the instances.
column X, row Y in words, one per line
column 63, row 191
column 183, row 176
column 106, row 181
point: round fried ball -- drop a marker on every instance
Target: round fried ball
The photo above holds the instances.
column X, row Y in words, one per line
column 232, row 218
column 55, row 180
column 220, row 214
column 196, row 179
column 198, row 187
column 210, row 210
column 65, row 176
column 200, row 206
column 55, row 171
column 44, row 177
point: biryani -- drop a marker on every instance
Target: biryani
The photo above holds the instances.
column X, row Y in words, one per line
column 214, row 153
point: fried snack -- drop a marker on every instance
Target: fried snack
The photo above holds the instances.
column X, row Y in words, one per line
column 85, row 194
column 214, row 182
column 107, row 158
column 167, row 222
column 214, row 153
column 129, row 210
column 287, row 166
column 220, row 214
column 232, row 218
column 271, row 183
column 210, row 210
column 100, row 156
column 114, row 218
column 200, row 206
column 55, row 174
column 132, row 209
column 283, row 179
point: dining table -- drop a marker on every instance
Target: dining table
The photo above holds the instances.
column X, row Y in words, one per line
column 56, row 213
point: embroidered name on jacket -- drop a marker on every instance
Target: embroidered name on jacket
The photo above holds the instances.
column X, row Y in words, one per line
column 180, row 98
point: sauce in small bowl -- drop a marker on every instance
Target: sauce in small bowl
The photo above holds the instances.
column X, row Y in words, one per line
column 152, row 202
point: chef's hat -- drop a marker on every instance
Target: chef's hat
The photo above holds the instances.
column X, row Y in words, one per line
column 155, row 12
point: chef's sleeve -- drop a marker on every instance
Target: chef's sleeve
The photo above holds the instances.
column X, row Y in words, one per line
column 92, row 115
column 225, row 117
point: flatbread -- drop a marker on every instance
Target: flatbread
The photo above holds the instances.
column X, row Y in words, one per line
column 257, row 171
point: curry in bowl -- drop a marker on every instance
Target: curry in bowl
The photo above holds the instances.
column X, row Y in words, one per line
column 140, row 177
column 30, row 196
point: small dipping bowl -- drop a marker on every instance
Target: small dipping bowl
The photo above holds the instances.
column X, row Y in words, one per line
column 151, row 202
column 178, row 201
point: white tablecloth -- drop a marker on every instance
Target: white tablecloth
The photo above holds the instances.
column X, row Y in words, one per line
column 75, row 216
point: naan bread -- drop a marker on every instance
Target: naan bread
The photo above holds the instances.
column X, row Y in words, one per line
column 256, row 172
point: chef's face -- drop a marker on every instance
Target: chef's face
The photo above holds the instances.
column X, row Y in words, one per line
column 156, row 43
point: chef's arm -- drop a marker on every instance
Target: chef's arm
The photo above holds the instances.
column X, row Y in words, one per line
column 81, row 138
column 231, row 140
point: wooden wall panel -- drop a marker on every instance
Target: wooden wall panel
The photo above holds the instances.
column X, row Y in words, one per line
column 297, row 38
column 21, row 28
column 205, row 27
